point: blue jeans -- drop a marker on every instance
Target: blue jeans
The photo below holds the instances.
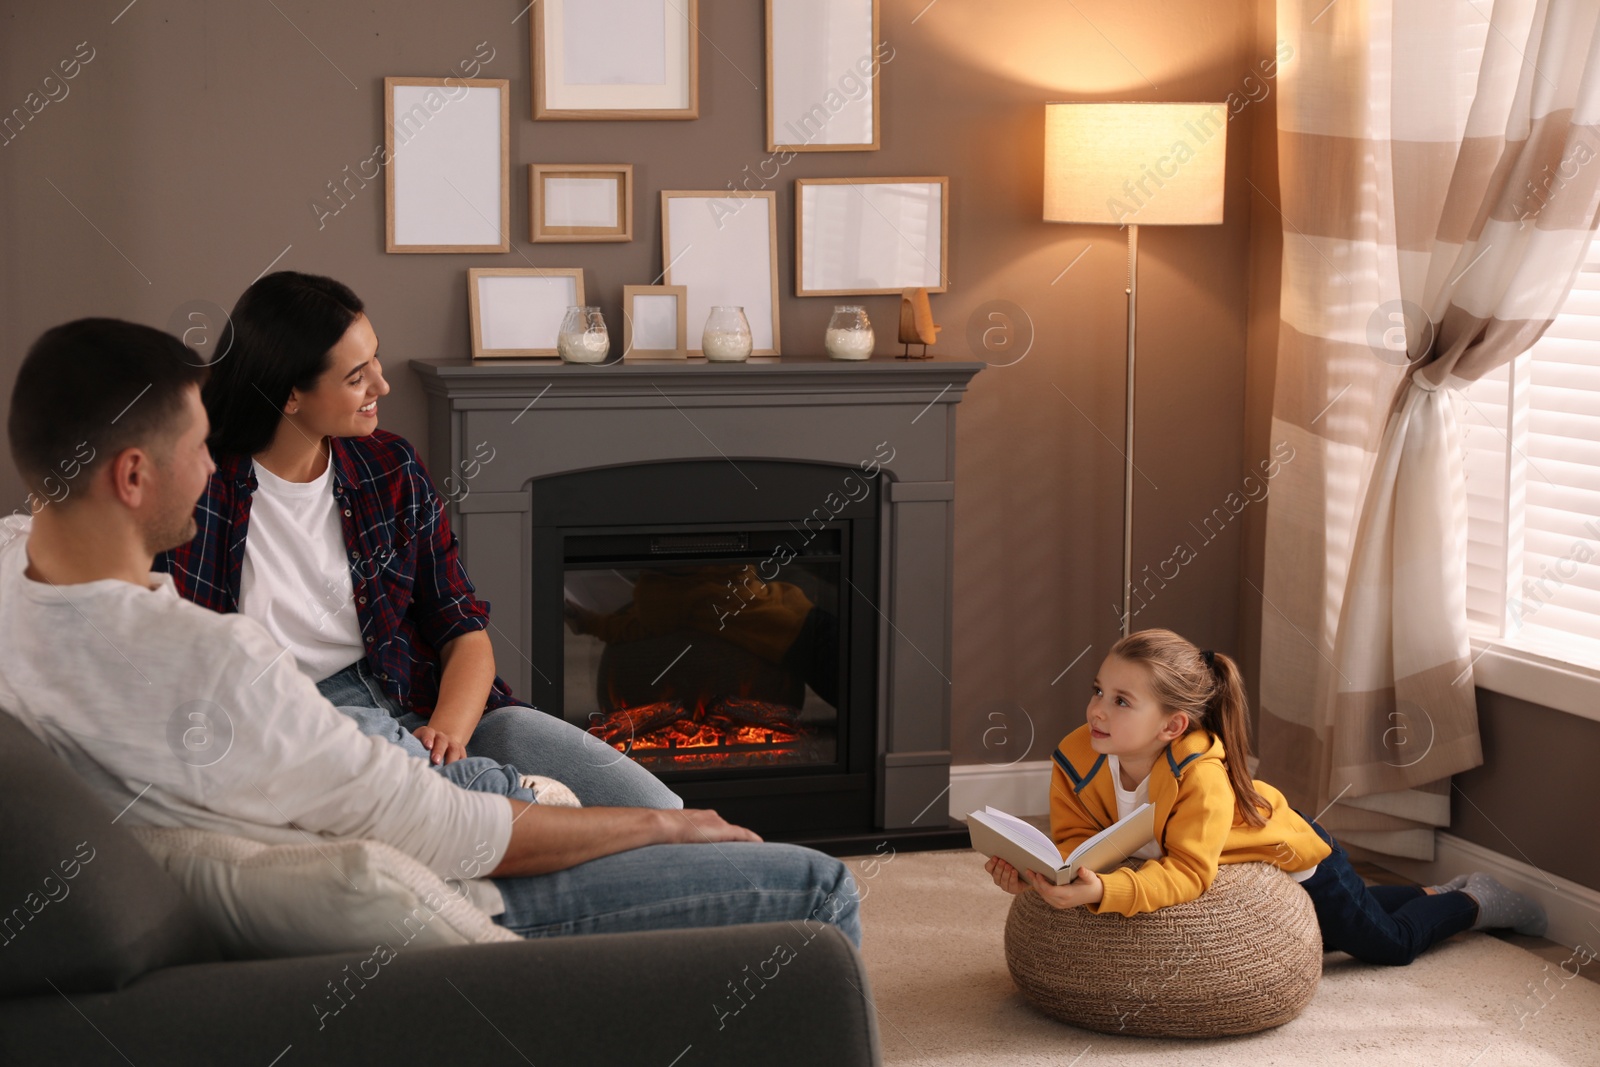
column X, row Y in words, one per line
column 1391, row 924
column 355, row 693
column 530, row 741
column 543, row 744
column 657, row 887
column 661, row 887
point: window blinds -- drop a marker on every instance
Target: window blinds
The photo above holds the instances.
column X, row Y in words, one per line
column 1531, row 454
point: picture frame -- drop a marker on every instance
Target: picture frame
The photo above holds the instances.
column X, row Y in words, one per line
column 867, row 236
column 516, row 312
column 575, row 202
column 655, row 322
column 615, row 59
column 823, row 90
column 447, row 178
column 724, row 248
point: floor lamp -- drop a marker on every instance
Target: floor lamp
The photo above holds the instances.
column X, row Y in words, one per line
column 1132, row 164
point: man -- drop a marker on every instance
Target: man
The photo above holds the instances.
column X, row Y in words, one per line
column 115, row 672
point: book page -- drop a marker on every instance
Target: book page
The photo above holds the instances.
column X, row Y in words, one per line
column 1115, row 843
column 1028, row 831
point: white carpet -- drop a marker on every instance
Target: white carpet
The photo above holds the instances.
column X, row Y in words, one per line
column 933, row 948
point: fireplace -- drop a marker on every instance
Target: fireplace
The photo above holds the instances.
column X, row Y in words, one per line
column 717, row 625
column 738, row 576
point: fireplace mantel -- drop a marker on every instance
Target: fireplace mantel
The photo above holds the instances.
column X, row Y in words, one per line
column 497, row 426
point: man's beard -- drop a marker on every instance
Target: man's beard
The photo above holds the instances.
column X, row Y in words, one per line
column 170, row 534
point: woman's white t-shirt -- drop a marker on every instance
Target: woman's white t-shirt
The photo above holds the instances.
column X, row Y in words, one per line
column 1128, row 799
column 296, row 579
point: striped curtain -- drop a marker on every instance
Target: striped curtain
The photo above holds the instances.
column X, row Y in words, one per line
column 1439, row 184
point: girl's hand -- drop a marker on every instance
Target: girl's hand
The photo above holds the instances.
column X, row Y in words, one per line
column 1086, row 888
column 1005, row 876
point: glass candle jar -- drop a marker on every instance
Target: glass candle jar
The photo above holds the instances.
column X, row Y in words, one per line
column 583, row 337
column 849, row 333
column 727, row 335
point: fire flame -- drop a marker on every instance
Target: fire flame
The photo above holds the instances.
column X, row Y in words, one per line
column 667, row 731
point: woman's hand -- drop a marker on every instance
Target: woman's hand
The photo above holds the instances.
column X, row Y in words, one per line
column 442, row 747
column 1086, row 888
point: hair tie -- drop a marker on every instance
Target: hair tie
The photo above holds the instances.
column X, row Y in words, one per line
column 1210, row 657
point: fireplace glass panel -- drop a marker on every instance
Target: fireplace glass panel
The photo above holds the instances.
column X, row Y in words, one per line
column 705, row 651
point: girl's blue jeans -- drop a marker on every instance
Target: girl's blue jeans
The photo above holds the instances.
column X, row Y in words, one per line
column 1390, row 924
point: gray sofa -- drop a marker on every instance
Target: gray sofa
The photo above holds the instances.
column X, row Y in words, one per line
column 104, row 961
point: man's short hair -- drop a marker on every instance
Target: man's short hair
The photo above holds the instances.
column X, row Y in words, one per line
column 92, row 388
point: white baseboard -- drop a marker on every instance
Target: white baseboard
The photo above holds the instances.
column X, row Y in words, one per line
column 1017, row 788
column 1574, row 909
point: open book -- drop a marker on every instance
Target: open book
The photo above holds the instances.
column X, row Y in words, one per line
column 994, row 833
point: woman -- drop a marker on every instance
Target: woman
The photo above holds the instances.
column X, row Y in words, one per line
column 351, row 564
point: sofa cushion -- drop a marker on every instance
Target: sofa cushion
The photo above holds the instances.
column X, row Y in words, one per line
column 262, row 901
column 83, row 908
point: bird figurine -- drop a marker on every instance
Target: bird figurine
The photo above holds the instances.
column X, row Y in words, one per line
column 916, row 323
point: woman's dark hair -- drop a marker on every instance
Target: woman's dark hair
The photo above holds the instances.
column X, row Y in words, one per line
column 90, row 388
column 276, row 339
column 1209, row 691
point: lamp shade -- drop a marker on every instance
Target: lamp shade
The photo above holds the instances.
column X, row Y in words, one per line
column 1151, row 164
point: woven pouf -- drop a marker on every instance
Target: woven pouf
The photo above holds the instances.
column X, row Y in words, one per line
column 1243, row 956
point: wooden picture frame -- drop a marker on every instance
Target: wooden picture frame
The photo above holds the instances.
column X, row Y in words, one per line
column 866, row 236
column 571, row 202
column 516, row 312
column 724, row 248
column 447, row 178
column 822, row 76
column 637, row 59
column 645, row 332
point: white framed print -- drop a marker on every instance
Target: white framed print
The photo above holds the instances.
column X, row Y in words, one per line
column 723, row 247
column 447, row 180
column 823, row 58
column 580, row 202
column 654, row 322
column 516, row 312
column 615, row 59
column 862, row 236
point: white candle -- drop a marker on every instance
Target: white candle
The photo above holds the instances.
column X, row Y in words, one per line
column 729, row 345
column 849, row 344
column 591, row 346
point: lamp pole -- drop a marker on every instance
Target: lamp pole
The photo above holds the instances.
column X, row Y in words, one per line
column 1127, row 472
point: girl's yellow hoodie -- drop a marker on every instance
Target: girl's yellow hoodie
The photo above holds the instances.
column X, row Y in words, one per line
column 1195, row 823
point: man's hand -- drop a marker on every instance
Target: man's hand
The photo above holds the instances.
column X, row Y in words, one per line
column 442, row 747
column 698, row 826
column 545, row 839
column 1086, row 888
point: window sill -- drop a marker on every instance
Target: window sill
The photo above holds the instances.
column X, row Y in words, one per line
column 1516, row 672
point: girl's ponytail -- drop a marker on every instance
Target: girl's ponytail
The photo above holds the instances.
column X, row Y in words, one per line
column 1227, row 717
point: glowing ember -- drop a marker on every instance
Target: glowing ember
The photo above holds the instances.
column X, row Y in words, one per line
column 709, row 734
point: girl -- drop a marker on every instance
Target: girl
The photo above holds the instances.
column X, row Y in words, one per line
column 329, row 532
column 1167, row 725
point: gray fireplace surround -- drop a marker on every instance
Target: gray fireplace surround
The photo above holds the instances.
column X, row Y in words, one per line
column 496, row 426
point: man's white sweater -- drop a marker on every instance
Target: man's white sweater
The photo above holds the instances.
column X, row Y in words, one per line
column 178, row 716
